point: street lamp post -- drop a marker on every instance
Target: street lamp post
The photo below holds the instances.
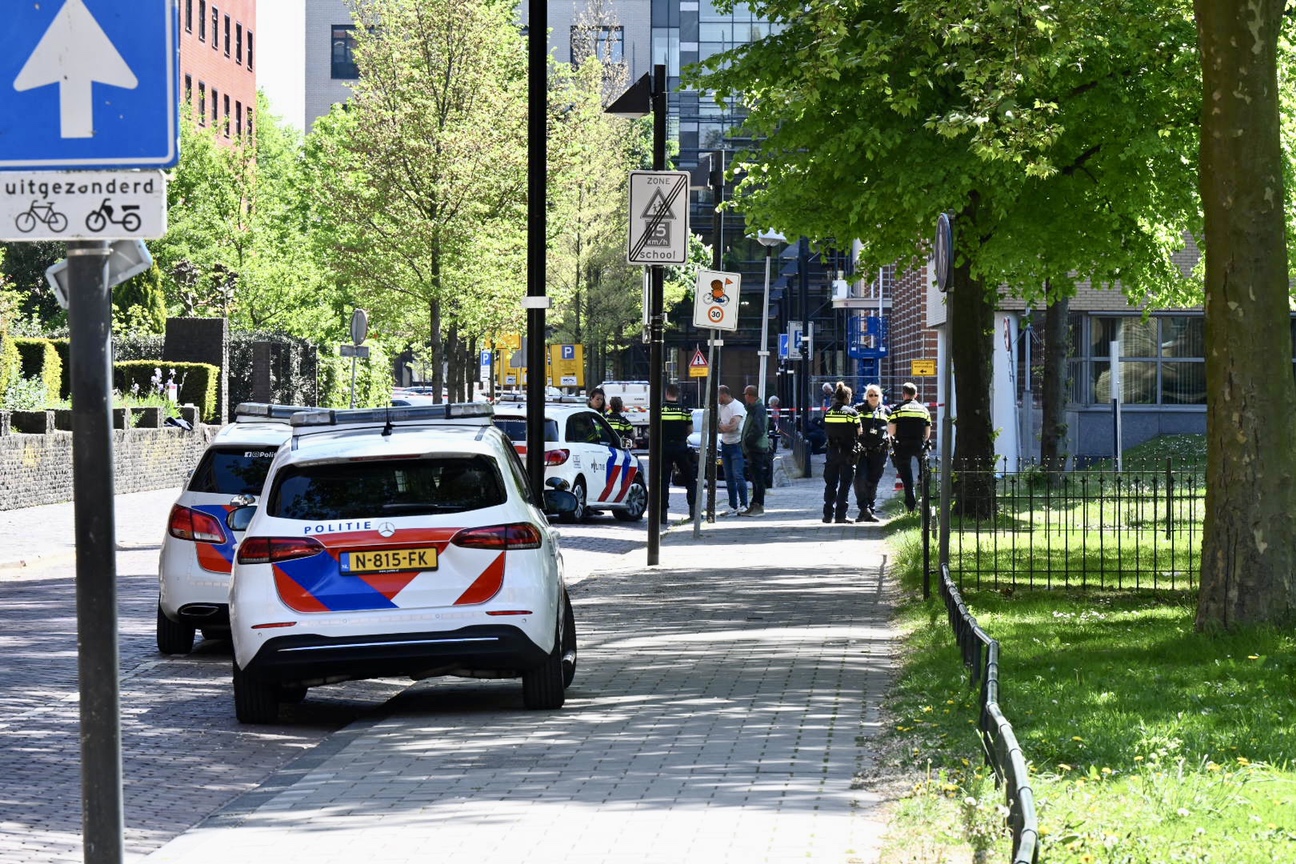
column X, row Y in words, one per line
column 768, row 239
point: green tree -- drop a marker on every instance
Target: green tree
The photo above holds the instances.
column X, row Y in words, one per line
column 598, row 297
column 139, row 303
column 420, row 182
column 237, row 241
column 1249, row 546
column 1060, row 137
column 23, row 268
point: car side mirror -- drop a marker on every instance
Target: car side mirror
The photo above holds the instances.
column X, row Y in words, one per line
column 240, row 518
column 559, row 501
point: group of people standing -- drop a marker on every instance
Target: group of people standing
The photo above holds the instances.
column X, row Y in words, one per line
column 860, row 437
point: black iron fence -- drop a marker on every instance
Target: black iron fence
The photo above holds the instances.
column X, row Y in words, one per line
column 1003, row 753
column 1132, row 529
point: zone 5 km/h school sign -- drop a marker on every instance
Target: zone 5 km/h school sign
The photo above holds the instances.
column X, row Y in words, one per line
column 89, row 84
column 659, row 224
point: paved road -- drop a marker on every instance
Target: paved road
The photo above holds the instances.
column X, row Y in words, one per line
column 722, row 706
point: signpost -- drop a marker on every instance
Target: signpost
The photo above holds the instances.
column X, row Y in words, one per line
column 92, row 85
column 715, row 304
column 659, row 225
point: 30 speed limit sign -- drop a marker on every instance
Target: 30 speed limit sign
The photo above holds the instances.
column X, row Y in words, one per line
column 715, row 304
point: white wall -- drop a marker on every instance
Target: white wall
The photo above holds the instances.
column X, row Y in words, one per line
column 281, row 58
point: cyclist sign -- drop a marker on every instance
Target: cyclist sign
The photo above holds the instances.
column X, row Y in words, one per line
column 715, row 304
column 82, row 205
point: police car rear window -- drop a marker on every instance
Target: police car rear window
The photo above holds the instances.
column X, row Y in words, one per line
column 232, row 470
column 370, row 488
column 515, row 428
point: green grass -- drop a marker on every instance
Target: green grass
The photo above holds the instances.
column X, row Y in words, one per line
column 1147, row 742
column 1188, row 453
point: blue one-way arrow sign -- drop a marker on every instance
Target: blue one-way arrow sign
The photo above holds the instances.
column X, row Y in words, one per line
column 90, row 84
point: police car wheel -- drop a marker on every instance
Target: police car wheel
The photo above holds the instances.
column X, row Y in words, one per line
column 173, row 637
column 255, row 699
column 542, row 687
column 636, row 503
column 568, row 642
column 581, row 513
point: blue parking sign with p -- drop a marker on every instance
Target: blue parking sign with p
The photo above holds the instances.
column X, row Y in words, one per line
column 90, row 84
column 569, row 352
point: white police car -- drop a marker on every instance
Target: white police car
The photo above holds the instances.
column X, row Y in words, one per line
column 198, row 548
column 398, row 541
column 583, row 452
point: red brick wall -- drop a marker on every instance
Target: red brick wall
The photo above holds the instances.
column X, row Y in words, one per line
column 219, row 68
column 910, row 337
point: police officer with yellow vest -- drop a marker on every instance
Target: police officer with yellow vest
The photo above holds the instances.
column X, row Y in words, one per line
column 620, row 425
column 676, row 426
column 842, row 425
column 910, row 427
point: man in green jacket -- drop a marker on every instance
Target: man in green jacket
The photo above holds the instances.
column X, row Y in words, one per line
column 756, row 447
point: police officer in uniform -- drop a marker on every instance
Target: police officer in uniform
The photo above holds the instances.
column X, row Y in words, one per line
column 910, row 427
column 842, row 425
column 617, row 420
column 874, row 418
column 676, row 426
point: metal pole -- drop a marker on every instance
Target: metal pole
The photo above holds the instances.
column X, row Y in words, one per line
column 353, row 377
column 537, row 171
column 90, row 325
column 655, row 328
column 803, row 384
column 764, row 343
column 946, row 442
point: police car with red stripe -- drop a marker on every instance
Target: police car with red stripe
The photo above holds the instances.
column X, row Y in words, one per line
column 398, row 542
column 584, row 455
column 198, row 547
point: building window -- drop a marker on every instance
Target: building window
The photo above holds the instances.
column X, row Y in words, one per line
column 238, row 44
column 202, row 104
column 215, row 109
column 215, row 19
column 249, row 49
column 188, row 16
column 606, row 43
column 238, row 119
column 202, row 20
column 225, row 117
column 227, row 36
column 1162, row 359
column 188, row 91
column 249, row 122
column 344, row 65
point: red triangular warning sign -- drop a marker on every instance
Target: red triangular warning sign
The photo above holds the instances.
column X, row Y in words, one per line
column 698, row 359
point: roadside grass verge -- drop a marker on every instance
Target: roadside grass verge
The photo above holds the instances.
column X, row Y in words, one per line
column 1147, row 742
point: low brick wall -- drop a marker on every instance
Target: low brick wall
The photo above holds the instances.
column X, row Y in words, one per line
column 37, row 469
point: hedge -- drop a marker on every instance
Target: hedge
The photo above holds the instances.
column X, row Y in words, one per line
column 41, row 360
column 294, row 368
column 197, row 382
column 64, row 348
column 10, row 361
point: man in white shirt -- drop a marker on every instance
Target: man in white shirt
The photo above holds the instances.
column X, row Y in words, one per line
column 730, row 414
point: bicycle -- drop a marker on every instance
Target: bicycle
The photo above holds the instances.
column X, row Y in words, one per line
column 101, row 217
column 44, row 213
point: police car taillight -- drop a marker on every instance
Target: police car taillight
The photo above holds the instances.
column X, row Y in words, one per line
column 556, row 457
column 272, row 550
column 519, row 535
column 194, row 525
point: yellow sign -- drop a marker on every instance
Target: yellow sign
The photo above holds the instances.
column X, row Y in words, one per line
column 698, row 367
column 566, row 364
column 922, row 368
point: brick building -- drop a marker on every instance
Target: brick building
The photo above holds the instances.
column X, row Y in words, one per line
column 218, row 63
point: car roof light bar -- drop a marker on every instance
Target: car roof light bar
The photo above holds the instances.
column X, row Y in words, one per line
column 262, row 411
column 450, row 413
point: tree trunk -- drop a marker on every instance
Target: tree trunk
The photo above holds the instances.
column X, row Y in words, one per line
column 970, row 319
column 1053, row 428
column 438, row 355
column 1249, row 543
column 454, row 366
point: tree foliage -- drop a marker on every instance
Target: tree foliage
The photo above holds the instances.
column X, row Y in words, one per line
column 420, row 181
column 1061, row 137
